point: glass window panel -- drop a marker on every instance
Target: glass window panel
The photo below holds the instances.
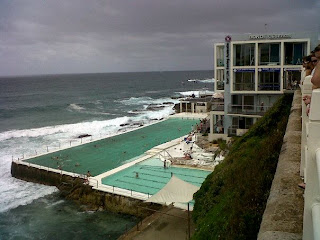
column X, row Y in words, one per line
column 235, row 121
column 269, row 53
column 220, row 79
column 269, row 81
column 264, row 54
column 244, row 81
column 291, row 79
column 244, row 54
column 297, row 50
column 294, row 53
column 249, row 122
column 275, row 53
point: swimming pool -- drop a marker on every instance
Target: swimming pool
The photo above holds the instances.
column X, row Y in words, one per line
column 106, row 154
column 150, row 176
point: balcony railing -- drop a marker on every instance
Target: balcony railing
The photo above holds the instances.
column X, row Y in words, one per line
column 269, row 87
column 217, row 106
column 243, row 87
column 248, row 109
column 236, row 131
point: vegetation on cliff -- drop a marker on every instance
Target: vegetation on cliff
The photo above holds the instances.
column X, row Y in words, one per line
column 232, row 199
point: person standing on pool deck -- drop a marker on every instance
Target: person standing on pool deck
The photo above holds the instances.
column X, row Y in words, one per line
column 165, row 163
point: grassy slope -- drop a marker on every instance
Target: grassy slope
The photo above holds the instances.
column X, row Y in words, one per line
column 231, row 201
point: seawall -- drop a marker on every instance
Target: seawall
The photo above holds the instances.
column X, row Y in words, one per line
column 283, row 216
column 74, row 188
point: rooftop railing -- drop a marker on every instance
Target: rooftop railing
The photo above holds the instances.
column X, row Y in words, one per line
column 310, row 162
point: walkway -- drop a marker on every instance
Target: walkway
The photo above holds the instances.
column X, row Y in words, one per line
column 162, row 227
column 283, row 215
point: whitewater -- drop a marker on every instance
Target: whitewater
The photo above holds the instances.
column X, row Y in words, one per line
column 41, row 112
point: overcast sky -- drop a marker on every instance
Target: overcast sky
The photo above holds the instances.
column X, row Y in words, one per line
column 77, row 36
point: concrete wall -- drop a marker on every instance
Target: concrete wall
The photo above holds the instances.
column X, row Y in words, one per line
column 283, row 216
column 75, row 189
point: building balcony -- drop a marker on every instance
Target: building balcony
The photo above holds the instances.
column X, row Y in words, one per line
column 236, row 131
column 247, row 109
column 217, row 106
column 243, row 87
column 269, row 87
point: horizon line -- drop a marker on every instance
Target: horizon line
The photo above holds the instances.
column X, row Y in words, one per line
column 52, row 74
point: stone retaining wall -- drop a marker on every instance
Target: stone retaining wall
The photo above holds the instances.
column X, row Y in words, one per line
column 74, row 188
column 283, row 216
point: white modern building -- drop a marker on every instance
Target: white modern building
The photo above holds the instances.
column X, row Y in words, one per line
column 253, row 71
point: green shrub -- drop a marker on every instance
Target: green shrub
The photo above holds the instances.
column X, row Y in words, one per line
column 231, row 201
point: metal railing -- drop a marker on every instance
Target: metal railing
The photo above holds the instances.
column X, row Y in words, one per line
column 248, row 109
column 237, row 131
column 243, row 87
column 310, row 162
column 269, row 87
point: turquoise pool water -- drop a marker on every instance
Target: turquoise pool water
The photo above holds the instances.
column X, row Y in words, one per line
column 152, row 176
column 106, row 154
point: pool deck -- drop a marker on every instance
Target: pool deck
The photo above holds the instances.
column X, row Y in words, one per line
column 96, row 181
column 190, row 115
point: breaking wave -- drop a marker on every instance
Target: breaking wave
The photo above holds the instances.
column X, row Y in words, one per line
column 208, row 80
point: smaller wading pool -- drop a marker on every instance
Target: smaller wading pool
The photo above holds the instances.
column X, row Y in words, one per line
column 150, row 176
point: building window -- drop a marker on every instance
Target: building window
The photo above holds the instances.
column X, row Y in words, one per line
column 244, row 81
column 294, row 52
column 220, row 79
column 269, row 81
column 269, row 54
column 242, row 122
column 244, row 54
column 248, row 102
column 291, row 79
column 220, row 56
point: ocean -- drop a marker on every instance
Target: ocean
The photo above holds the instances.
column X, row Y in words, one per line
column 51, row 110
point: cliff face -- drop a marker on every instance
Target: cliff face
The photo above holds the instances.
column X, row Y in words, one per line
column 231, row 201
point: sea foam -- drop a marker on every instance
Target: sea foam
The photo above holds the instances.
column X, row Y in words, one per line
column 24, row 142
column 207, row 80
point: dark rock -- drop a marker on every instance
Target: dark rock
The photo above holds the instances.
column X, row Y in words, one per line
column 84, row 135
column 154, row 107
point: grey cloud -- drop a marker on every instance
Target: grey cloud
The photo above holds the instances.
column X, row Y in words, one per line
column 134, row 35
